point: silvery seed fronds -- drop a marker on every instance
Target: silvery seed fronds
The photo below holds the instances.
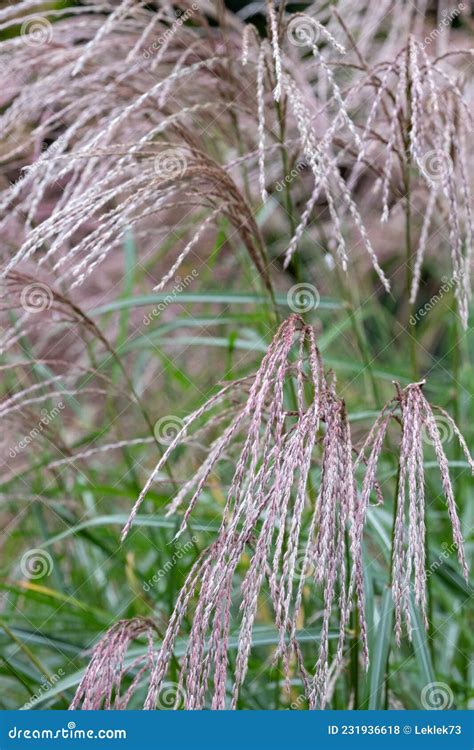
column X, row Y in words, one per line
column 263, row 517
column 274, row 35
column 261, row 119
column 111, row 679
column 429, row 121
column 318, row 152
column 119, row 158
column 328, row 181
column 419, row 424
column 129, row 157
column 338, row 511
column 371, row 25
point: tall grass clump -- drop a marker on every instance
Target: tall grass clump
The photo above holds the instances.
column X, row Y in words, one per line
column 235, row 286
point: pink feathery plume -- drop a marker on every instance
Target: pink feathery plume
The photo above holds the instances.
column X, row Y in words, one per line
column 263, row 519
column 102, row 683
column 419, row 422
column 429, row 121
column 338, row 511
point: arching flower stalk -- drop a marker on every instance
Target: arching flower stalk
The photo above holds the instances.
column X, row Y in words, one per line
column 102, row 684
column 263, row 517
column 419, row 422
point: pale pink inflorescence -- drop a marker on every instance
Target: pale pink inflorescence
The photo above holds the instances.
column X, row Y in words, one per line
column 130, row 157
column 429, row 122
column 419, row 425
column 102, row 686
column 263, row 517
column 267, row 507
column 109, row 156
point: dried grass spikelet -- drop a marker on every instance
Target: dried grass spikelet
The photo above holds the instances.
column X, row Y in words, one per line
column 102, row 686
column 275, row 41
column 418, row 420
column 429, row 122
column 263, row 518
